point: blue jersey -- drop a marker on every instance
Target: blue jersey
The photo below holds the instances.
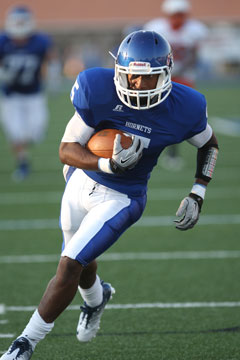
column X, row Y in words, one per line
column 24, row 62
column 181, row 116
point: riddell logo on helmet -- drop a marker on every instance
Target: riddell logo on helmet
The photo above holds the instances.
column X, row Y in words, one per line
column 169, row 60
column 142, row 64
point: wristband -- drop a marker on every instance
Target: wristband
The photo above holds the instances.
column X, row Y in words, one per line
column 104, row 165
column 198, row 199
column 199, row 190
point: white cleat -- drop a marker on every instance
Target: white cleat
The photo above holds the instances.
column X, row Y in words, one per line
column 21, row 349
column 89, row 321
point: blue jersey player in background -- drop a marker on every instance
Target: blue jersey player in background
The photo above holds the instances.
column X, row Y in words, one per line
column 104, row 197
column 23, row 55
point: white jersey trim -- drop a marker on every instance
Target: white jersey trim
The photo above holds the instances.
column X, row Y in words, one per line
column 202, row 138
column 77, row 130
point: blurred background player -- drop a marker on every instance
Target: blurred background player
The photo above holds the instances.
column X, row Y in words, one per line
column 185, row 35
column 23, row 56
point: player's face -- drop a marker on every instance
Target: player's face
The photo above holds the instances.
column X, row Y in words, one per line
column 142, row 82
column 177, row 20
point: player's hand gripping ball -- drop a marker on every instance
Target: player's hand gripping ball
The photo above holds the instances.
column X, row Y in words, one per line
column 102, row 142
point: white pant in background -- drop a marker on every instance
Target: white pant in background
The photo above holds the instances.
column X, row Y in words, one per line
column 24, row 117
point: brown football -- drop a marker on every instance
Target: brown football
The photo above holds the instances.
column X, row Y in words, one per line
column 101, row 143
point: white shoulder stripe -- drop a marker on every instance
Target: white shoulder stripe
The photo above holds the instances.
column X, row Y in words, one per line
column 202, row 138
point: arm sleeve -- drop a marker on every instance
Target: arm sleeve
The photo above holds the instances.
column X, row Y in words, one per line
column 202, row 138
column 77, row 130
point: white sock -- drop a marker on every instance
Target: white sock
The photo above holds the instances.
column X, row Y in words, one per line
column 93, row 296
column 36, row 329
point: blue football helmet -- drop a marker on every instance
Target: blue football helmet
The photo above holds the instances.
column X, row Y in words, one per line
column 19, row 23
column 143, row 53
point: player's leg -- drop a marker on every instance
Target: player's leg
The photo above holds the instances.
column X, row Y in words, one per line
column 92, row 309
column 36, row 111
column 58, row 295
column 110, row 214
column 16, row 130
column 71, row 219
column 88, row 275
column 95, row 293
column 61, row 289
column 90, row 286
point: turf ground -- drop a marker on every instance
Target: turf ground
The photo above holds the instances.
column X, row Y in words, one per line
column 177, row 293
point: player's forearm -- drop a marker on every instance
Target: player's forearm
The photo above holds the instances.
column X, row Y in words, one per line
column 206, row 161
column 74, row 154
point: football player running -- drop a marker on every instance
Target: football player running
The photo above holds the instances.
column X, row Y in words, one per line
column 23, row 56
column 104, row 197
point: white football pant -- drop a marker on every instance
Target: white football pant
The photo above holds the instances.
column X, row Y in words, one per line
column 94, row 216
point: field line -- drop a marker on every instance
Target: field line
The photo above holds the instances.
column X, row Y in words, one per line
column 145, row 221
column 224, row 126
column 156, row 305
column 43, row 197
column 6, row 336
column 154, row 194
column 129, row 256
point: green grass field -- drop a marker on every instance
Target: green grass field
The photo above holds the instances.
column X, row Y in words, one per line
column 182, row 288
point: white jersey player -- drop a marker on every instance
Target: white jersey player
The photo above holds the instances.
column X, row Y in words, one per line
column 185, row 36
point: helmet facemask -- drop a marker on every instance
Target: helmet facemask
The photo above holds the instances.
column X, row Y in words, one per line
column 142, row 99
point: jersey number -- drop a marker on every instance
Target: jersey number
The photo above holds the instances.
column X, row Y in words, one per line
column 74, row 89
column 23, row 66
